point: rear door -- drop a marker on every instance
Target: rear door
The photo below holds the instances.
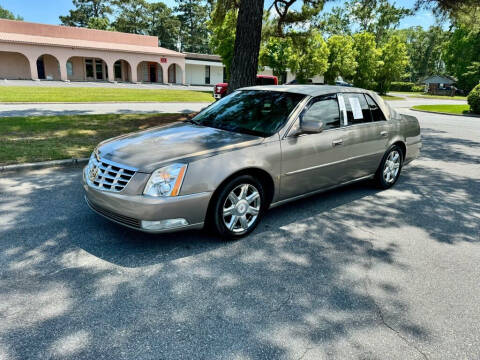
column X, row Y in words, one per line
column 367, row 138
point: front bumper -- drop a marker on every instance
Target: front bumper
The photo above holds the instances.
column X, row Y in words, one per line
column 130, row 210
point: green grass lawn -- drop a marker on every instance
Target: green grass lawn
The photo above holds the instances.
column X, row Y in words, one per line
column 43, row 138
column 425, row 96
column 391, row 98
column 406, row 92
column 448, row 109
column 89, row 94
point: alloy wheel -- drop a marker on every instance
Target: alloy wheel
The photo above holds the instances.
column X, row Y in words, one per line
column 241, row 208
column 392, row 167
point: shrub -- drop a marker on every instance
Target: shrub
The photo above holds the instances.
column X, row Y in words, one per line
column 406, row 86
column 474, row 100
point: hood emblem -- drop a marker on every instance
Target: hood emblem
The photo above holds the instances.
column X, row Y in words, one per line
column 92, row 175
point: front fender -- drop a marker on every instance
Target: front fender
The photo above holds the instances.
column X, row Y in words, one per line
column 206, row 174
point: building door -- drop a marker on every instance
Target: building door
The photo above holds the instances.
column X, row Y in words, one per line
column 89, row 73
column 99, row 69
column 118, row 71
column 41, row 68
column 207, row 74
column 172, row 74
column 152, row 69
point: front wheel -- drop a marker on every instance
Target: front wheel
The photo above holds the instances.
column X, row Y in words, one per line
column 239, row 207
column 390, row 168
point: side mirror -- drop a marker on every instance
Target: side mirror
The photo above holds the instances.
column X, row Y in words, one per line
column 309, row 125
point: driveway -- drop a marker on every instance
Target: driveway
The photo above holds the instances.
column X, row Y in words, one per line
column 355, row 273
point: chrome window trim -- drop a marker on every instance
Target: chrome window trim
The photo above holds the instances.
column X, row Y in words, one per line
column 305, row 107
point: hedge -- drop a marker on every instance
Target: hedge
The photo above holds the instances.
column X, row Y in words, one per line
column 406, row 86
column 474, row 100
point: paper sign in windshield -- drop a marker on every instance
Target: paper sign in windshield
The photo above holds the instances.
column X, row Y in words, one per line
column 356, row 108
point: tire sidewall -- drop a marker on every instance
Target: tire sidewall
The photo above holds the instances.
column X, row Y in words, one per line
column 217, row 213
column 380, row 179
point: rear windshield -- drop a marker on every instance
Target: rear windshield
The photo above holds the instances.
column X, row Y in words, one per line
column 254, row 112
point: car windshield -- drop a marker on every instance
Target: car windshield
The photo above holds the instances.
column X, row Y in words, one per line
column 254, row 112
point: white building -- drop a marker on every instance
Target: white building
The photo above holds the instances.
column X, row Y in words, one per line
column 204, row 69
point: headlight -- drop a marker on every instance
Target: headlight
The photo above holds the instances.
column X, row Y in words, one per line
column 166, row 181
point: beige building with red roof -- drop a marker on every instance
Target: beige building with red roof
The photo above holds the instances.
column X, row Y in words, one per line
column 38, row 51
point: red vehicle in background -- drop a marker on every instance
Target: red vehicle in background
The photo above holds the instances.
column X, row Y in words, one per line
column 221, row 89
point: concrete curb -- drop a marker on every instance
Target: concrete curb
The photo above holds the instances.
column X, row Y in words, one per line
column 44, row 164
column 442, row 113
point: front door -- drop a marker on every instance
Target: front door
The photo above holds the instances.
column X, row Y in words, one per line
column 153, row 72
column 41, row 68
column 314, row 161
column 172, row 74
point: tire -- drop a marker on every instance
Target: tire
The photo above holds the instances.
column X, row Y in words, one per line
column 237, row 210
column 390, row 168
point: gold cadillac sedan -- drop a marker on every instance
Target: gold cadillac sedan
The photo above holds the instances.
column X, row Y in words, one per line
column 257, row 148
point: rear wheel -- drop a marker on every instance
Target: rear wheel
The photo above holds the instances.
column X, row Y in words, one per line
column 239, row 207
column 390, row 168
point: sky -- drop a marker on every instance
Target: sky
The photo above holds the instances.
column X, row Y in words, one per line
column 48, row 11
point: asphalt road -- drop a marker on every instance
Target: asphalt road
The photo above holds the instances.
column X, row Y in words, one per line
column 354, row 273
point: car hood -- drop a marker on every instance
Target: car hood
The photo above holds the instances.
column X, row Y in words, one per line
column 148, row 150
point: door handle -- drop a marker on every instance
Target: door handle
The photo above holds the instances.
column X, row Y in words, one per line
column 384, row 133
column 337, row 142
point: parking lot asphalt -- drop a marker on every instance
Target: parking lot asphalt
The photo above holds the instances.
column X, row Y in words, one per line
column 354, row 273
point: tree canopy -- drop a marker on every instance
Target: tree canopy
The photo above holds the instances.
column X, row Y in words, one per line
column 341, row 59
column 85, row 10
column 6, row 14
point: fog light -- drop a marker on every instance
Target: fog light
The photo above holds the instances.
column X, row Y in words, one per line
column 164, row 224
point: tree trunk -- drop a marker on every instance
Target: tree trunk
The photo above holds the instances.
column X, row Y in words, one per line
column 247, row 44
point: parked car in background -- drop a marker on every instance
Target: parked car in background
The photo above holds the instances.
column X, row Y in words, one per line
column 343, row 83
column 258, row 148
column 220, row 89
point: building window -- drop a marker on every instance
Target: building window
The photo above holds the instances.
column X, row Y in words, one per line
column 89, row 68
column 207, row 74
column 99, row 69
column 69, row 68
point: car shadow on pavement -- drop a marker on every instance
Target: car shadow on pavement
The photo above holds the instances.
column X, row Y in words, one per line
column 305, row 284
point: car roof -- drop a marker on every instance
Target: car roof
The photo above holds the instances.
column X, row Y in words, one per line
column 310, row 90
column 319, row 90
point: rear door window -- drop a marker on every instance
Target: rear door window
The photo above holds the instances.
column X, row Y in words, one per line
column 358, row 111
column 375, row 109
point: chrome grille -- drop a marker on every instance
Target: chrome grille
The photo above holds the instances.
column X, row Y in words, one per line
column 109, row 176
